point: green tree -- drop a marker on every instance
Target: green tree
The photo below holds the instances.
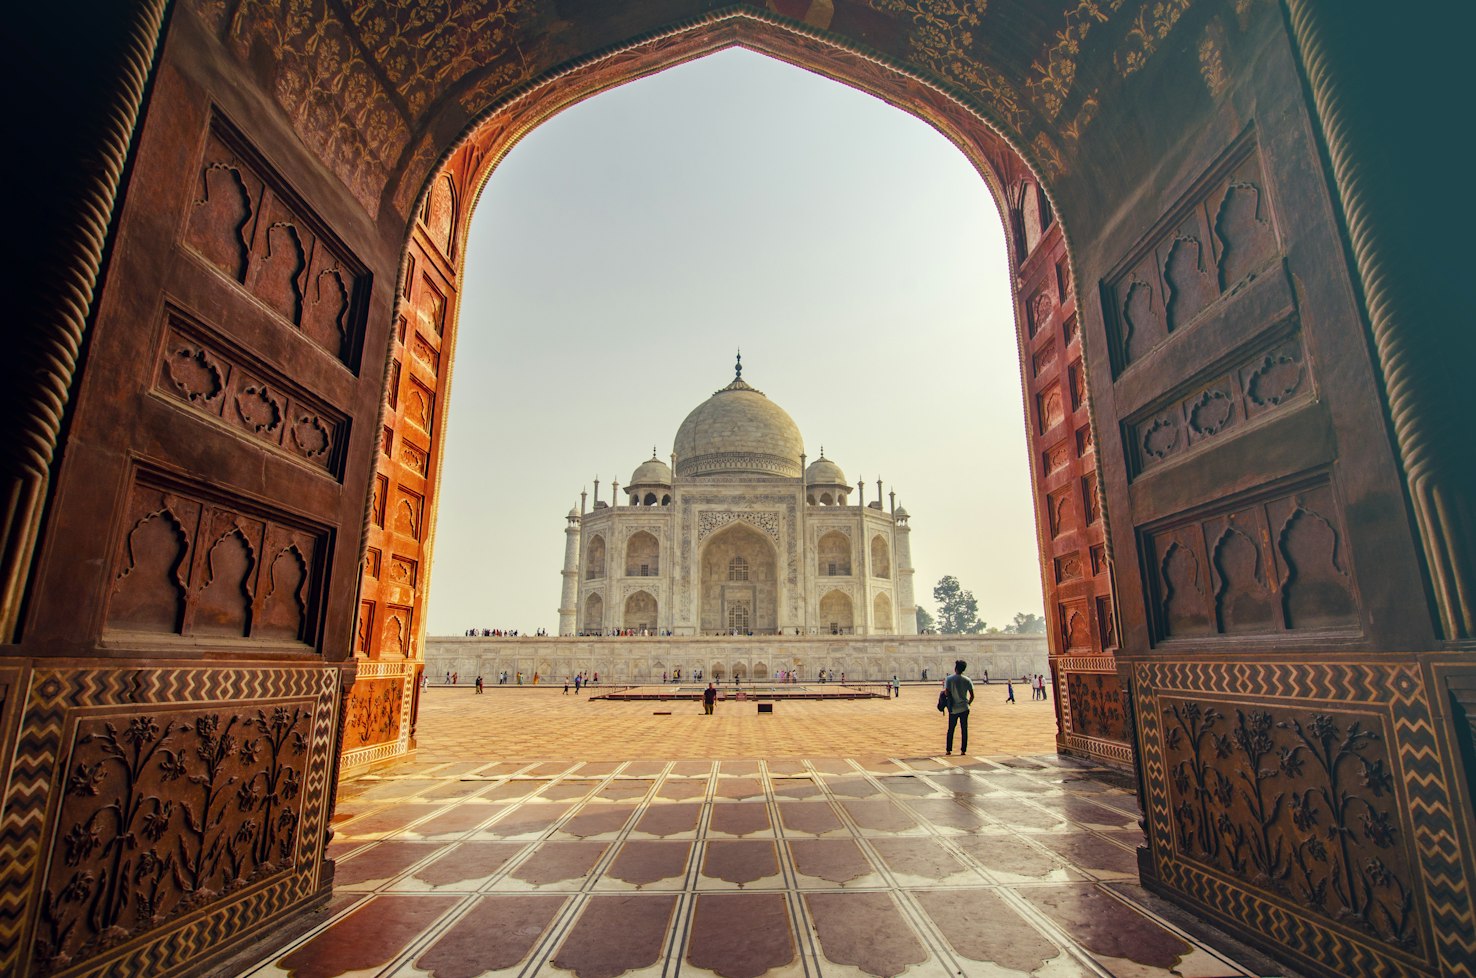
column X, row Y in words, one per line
column 1026, row 624
column 958, row 609
column 925, row 621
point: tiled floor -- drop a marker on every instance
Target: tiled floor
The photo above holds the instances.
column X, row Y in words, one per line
column 489, row 865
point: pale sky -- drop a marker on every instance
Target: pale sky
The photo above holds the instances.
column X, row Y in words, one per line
column 627, row 247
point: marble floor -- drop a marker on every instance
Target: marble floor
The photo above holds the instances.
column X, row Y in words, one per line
column 781, row 866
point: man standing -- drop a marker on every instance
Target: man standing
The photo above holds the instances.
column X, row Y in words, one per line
column 960, row 696
column 709, row 697
column 479, row 685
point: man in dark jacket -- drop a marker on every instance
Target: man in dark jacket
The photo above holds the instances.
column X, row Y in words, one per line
column 709, row 697
column 960, row 696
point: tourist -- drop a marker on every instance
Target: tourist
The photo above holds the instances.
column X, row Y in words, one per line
column 709, row 697
column 455, row 678
column 577, row 676
column 1009, row 691
column 896, row 688
column 479, row 685
column 566, row 685
column 960, row 695
column 448, row 679
column 535, row 679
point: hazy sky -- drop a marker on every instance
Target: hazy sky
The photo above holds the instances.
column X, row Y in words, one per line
column 626, row 248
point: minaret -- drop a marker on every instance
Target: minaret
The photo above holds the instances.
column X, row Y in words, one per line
column 906, row 603
column 569, row 602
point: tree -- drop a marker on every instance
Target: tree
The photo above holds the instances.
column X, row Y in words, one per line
column 958, row 609
column 925, row 621
column 1026, row 624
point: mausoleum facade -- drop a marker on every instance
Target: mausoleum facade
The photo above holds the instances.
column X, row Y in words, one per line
column 738, row 535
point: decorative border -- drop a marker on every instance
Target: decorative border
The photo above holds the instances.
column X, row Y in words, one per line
column 1398, row 692
column 53, row 696
column 404, row 670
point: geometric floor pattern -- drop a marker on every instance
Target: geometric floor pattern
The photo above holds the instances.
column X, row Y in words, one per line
column 923, row 866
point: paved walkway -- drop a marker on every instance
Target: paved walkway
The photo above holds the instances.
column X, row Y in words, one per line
column 521, row 722
column 542, row 835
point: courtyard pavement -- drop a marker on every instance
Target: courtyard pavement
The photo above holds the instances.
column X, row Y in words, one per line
column 543, row 834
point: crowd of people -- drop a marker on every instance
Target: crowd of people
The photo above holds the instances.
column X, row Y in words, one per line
column 504, row 633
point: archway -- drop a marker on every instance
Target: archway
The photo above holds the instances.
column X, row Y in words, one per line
column 640, row 613
column 1229, row 315
column 836, row 614
column 739, row 585
column 833, row 554
column 881, row 615
column 642, row 555
column 594, row 614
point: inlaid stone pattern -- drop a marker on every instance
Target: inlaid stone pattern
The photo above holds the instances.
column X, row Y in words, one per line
column 926, row 866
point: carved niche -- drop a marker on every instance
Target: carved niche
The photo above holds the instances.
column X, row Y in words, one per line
column 1190, row 285
column 364, row 632
column 188, row 566
column 1272, row 566
column 245, row 224
column 1206, row 246
column 1050, row 410
column 408, row 513
column 1044, row 359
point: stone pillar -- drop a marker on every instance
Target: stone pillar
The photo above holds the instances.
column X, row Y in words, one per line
column 902, row 568
column 569, row 601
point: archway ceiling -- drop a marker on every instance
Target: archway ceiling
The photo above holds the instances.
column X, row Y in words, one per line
column 379, row 91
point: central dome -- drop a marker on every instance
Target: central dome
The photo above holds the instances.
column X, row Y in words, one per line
column 738, row 431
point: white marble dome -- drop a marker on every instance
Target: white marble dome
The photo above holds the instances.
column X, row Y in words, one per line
column 824, row 472
column 738, row 431
column 652, row 472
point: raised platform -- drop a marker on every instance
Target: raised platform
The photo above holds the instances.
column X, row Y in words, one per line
column 757, row 692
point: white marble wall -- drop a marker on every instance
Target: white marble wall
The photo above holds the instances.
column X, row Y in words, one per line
column 639, row 660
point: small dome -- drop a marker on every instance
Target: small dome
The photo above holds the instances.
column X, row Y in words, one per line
column 573, row 513
column 901, row 513
column 652, row 472
column 824, row 472
column 738, row 431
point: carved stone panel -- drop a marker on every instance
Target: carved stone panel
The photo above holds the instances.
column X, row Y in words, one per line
column 1273, row 565
column 208, row 374
column 1096, row 705
column 246, row 224
column 197, row 567
column 1307, row 801
column 171, row 825
column 1260, row 383
column 1207, row 246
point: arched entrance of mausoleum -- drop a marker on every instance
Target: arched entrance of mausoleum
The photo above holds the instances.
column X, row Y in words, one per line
column 221, row 518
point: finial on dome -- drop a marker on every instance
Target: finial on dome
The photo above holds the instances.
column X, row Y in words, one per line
column 738, row 366
column 822, row 451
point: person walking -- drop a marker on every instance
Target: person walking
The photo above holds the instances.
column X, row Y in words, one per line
column 709, row 697
column 479, row 685
column 960, row 696
column 566, row 685
column 1009, row 691
column 896, row 688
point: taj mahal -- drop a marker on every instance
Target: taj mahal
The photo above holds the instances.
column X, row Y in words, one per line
column 738, row 536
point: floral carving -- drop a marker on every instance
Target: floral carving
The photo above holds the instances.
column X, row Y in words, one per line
column 1211, row 412
column 1300, row 804
column 195, row 373
column 1276, row 379
column 163, row 814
